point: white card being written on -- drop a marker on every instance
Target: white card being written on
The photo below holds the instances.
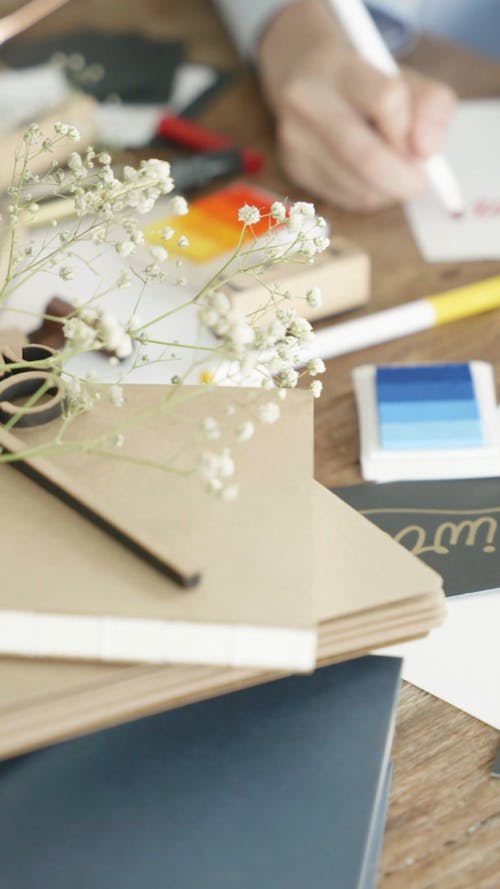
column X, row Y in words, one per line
column 473, row 150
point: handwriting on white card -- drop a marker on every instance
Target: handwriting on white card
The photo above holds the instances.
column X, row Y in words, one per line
column 473, row 150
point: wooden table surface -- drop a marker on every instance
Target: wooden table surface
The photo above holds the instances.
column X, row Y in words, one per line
column 443, row 827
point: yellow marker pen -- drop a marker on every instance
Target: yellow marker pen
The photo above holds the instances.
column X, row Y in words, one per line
column 422, row 314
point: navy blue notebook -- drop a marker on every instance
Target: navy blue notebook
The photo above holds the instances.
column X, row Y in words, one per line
column 370, row 878
column 282, row 786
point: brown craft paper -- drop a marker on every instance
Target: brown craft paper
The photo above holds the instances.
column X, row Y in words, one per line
column 254, row 554
column 48, row 701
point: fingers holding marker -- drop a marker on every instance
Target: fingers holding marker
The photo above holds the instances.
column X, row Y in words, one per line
column 303, row 157
column 378, row 165
column 384, row 101
column 306, row 162
column 351, row 134
column 347, row 142
column 433, row 104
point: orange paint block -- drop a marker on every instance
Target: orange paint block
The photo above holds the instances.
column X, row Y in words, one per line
column 211, row 226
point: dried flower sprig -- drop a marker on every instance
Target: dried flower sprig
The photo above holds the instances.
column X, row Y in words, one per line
column 261, row 349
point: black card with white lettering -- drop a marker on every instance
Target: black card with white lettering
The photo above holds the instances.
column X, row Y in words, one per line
column 454, row 526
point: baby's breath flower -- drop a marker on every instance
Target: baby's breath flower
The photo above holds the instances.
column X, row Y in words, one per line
column 32, row 134
column 125, row 248
column 158, row 171
column 179, row 205
column 66, row 273
column 245, row 431
column 75, row 162
column 240, row 335
column 137, row 237
column 230, row 493
column 248, row 214
column 286, row 315
column 79, row 397
column 287, row 378
column 316, row 366
column 314, row 297
column 119, row 440
column 79, row 335
column 124, row 280
column 278, row 211
column 302, row 208
column 301, row 329
column 321, row 243
column 167, row 233
column 117, row 395
column 159, row 253
column 316, row 388
column 113, row 336
column 210, row 428
column 269, row 412
column 183, row 241
column 214, row 469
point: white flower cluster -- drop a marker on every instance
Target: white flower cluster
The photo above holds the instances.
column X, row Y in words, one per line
column 95, row 329
column 249, row 215
column 34, row 135
column 96, row 190
column 215, row 470
column 264, row 348
column 216, row 313
column 303, row 223
column 267, row 346
column 272, row 347
column 79, row 396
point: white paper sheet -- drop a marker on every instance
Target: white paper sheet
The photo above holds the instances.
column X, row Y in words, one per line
column 460, row 661
column 95, row 270
column 26, row 94
column 473, row 150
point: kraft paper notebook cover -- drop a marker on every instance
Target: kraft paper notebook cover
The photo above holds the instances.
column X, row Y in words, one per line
column 253, row 605
column 278, row 787
column 391, row 594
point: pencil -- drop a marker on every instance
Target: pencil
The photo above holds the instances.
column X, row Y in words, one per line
column 366, row 39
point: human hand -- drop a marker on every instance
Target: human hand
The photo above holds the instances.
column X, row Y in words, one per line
column 347, row 133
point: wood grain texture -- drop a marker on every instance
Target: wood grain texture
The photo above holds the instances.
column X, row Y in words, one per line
column 443, row 826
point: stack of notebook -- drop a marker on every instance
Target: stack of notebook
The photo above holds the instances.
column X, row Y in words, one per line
column 282, row 786
column 291, row 577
